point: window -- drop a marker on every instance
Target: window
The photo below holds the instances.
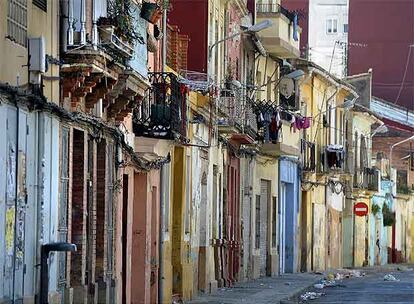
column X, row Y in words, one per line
column 332, row 26
column 42, row 4
column 345, row 27
column 257, row 226
column 17, row 21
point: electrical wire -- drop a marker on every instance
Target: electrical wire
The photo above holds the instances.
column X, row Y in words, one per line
column 405, row 73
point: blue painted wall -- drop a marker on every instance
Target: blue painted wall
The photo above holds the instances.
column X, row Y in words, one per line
column 383, row 197
column 288, row 174
column 140, row 60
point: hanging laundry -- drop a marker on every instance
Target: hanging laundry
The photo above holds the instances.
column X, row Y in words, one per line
column 286, row 116
column 275, row 127
column 335, row 156
column 301, row 123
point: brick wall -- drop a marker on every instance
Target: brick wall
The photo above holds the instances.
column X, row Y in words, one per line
column 78, row 208
column 100, row 209
column 383, row 144
column 177, row 48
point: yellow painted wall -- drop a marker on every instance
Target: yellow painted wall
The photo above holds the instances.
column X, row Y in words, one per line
column 14, row 57
column 267, row 69
column 412, row 238
column 181, row 262
column 362, row 230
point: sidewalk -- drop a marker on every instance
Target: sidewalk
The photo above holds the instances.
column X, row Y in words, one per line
column 261, row 291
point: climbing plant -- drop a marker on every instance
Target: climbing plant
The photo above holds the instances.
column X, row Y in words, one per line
column 122, row 15
column 388, row 216
column 375, row 209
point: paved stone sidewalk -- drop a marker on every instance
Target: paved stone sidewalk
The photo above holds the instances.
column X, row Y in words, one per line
column 261, row 291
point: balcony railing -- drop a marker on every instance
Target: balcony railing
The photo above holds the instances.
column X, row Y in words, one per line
column 403, row 186
column 308, row 152
column 274, row 8
column 333, row 158
column 238, row 113
column 163, row 112
column 367, row 178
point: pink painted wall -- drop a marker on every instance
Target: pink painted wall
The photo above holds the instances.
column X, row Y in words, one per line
column 145, row 240
column 233, row 45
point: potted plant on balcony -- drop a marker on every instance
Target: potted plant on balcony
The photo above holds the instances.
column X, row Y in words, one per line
column 151, row 11
column 118, row 28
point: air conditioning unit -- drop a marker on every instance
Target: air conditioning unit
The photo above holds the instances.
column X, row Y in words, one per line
column 37, row 55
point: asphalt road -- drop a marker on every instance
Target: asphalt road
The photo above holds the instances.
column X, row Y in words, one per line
column 371, row 289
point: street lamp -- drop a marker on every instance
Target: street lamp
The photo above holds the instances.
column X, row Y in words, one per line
column 397, row 144
column 381, row 130
column 248, row 30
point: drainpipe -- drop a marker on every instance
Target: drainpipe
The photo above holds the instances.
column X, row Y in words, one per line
column 64, row 25
column 16, row 203
column 160, row 235
column 397, row 144
column 44, row 267
column 83, row 23
column 70, row 31
column 164, row 40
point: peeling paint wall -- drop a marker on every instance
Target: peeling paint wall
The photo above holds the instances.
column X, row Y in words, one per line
column 28, row 198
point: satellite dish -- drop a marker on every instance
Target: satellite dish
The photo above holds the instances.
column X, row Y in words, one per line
column 286, row 87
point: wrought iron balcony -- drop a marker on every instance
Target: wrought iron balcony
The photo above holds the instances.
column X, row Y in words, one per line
column 333, row 159
column 367, row 178
column 403, row 186
column 236, row 116
column 163, row 111
column 308, row 154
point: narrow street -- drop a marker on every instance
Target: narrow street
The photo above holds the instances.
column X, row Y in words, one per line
column 372, row 288
column 290, row 288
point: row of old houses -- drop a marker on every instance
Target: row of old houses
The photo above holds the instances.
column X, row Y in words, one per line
column 183, row 146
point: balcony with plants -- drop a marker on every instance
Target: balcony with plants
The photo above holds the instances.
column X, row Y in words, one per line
column 162, row 114
column 104, row 55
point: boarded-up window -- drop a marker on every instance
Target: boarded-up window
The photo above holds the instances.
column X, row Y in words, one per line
column 17, row 21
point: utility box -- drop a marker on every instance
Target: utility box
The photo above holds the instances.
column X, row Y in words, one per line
column 37, row 55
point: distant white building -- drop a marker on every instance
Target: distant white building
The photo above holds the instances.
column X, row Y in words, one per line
column 328, row 34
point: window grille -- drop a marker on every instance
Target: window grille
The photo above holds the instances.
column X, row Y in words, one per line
column 42, row 4
column 17, row 21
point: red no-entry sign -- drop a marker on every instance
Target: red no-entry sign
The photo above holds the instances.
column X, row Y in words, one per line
column 361, row 209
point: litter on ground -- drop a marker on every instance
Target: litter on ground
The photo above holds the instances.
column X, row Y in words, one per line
column 311, row 295
column 390, row 277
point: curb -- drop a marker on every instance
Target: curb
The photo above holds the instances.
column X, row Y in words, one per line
column 292, row 298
